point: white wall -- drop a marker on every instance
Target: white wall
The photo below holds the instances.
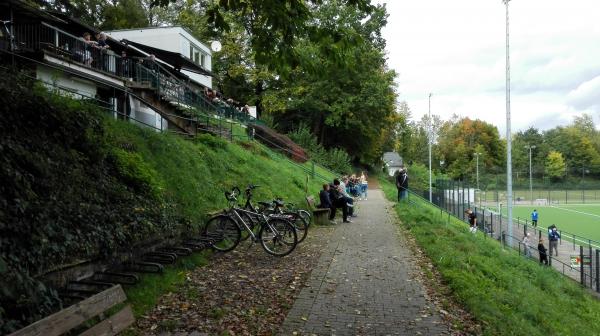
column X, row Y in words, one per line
column 64, row 80
column 175, row 39
column 145, row 116
column 392, row 170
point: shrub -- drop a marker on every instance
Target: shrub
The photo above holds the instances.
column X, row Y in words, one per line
column 336, row 159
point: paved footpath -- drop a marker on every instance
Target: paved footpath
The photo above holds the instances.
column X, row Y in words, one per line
column 365, row 283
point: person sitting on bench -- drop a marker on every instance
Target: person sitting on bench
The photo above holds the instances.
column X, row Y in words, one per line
column 349, row 200
column 339, row 200
column 326, row 202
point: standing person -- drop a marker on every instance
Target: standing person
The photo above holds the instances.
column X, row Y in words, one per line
column 526, row 245
column 534, row 218
column 402, row 184
column 554, row 236
column 87, row 49
column 364, row 185
column 472, row 220
column 542, row 252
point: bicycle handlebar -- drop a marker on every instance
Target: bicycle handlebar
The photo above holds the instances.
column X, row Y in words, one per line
column 232, row 195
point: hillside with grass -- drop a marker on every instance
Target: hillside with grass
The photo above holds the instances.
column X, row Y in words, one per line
column 506, row 293
column 77, row 185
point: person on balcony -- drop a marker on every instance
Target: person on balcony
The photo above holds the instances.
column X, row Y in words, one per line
column 86, row 53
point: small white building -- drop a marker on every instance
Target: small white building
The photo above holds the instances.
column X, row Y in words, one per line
column 393, row 162
column 174, row 39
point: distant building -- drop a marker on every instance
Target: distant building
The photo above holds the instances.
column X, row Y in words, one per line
column 175, row 40
column 393, row 162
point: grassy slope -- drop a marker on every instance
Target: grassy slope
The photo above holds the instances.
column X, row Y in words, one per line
column 194, row 174
column 510, row 295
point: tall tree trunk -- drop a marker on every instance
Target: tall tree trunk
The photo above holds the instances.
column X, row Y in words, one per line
column 258, row 91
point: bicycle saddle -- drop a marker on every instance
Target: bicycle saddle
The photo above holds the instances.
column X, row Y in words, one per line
column 278, row 202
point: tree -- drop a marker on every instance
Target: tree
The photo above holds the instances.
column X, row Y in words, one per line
column 459, row 139
column 555, row 166
column 275, row 25
column 347, row 103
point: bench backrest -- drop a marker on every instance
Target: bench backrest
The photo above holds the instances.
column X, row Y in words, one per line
column 311, row 202
column 71, row 317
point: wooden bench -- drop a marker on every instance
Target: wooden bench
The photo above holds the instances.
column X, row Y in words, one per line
column 73, row 316
column 321, row 215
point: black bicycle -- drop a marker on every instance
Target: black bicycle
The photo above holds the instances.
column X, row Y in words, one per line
column 276, row 235
column 275, row 209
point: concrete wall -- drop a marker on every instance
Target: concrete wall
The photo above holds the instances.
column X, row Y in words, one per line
column 145, row 116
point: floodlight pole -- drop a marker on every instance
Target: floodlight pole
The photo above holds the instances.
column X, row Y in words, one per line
column 530, row 174
column 429, row 141
column 477, row 165
column 509, row 191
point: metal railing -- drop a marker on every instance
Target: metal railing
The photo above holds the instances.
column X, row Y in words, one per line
column 453, row 197
column 146, row 72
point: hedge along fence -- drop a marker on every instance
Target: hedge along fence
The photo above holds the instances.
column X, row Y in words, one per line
column 77, row 185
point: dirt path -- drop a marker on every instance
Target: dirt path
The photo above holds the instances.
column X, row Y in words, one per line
column 244, row 292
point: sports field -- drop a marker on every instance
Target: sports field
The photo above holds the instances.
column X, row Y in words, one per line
column 582, row 220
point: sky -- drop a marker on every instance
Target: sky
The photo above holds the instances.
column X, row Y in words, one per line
column 457, row 51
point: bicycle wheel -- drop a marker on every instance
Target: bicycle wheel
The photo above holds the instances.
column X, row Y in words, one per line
column 306, row 215
column 278, row 237
column 301, row 226
column 225, row 232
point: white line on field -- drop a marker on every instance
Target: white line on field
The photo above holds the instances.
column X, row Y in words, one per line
column 579, row 212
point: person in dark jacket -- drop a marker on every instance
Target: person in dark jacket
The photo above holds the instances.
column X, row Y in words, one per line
column 326, row 203
column 324, row 198
column 402, row 184
column 553, row 236
column 542, row 252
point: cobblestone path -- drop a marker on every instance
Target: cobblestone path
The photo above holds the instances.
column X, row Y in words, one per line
column 365, row 282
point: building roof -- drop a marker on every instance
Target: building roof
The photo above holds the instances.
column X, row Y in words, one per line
column 189, row 32
column 392, row 159
column 176, row 60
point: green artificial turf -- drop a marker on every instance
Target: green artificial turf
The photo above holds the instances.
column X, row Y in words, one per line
column 582, row 220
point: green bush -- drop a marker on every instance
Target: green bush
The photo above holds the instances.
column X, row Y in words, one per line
column 336, row 159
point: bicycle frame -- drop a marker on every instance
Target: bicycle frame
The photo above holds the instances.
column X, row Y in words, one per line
column 238, row 219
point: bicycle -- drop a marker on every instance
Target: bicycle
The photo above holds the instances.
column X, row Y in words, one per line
column 277, row 236
column 275, row 209
column 298, row 217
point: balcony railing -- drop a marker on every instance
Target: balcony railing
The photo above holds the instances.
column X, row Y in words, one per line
column 143, row 71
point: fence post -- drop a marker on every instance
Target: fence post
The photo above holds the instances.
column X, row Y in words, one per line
column 525, row 230
column 503, row 239
column 598, row 271
column 591, row 264
column 581, row 271
column 231, row 132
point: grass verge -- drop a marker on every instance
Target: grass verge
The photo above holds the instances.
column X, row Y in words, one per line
column 508, row 294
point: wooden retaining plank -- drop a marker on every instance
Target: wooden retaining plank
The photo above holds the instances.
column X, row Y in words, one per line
column 70, row 317
column 112, row 325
